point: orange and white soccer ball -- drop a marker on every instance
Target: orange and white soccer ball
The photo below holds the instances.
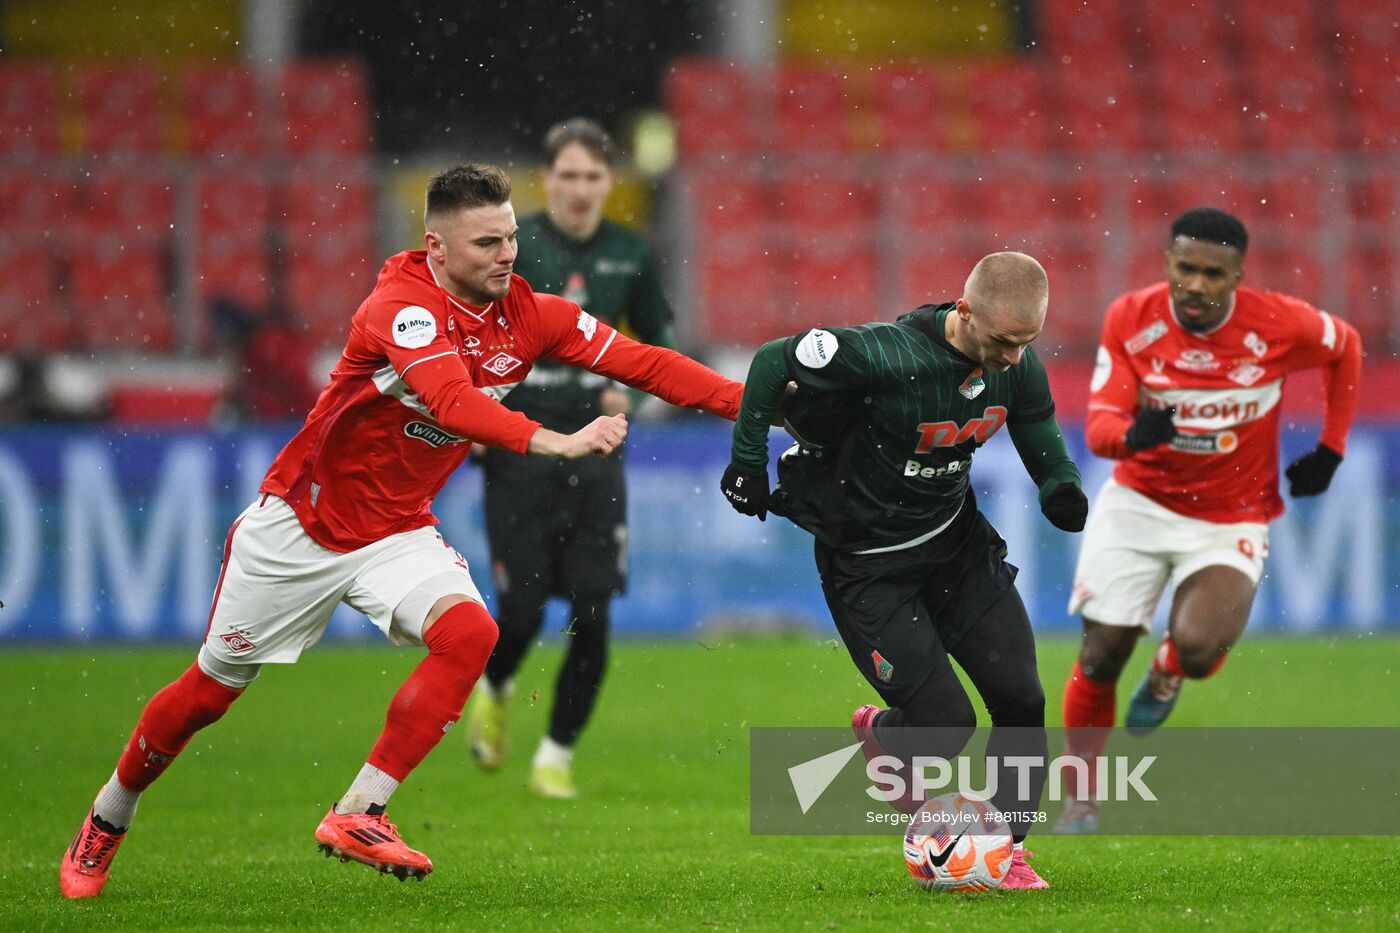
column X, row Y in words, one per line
column 956, row 842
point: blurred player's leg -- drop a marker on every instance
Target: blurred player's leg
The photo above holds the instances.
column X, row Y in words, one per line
column 1089, row 710
column 575, row 694
column 1209, row 613
column 169, row 721
column 424, row 708
column 522, row 614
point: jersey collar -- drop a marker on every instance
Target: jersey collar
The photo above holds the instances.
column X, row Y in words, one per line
column 478, row 313
column 931, row 321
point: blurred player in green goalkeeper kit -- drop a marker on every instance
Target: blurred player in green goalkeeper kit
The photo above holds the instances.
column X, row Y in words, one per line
column 887, row 418
column 559, row 528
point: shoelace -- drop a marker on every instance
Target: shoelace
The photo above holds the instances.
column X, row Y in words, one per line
column 96, row 847
column 391, row 828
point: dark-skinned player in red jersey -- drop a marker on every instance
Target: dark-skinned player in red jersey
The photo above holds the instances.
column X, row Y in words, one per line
column 344, row 513
column 1185, row 396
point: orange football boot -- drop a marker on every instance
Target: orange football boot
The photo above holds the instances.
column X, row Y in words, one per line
column 85, row 865
column 371, row 840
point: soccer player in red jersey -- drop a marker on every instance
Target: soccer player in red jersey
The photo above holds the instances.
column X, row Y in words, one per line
column 344, row 513
column 1185, row 396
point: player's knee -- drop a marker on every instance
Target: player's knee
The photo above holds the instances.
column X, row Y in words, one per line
column 205, row 699
column 1199, row 657
column 466, row 630
column 1024, row 705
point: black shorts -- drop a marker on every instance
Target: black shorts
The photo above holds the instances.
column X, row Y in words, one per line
column 901, row 612
column 556, row 526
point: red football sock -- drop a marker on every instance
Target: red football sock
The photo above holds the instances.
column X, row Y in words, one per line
column 1165, row 661
column 169, row 721
column 431, row 700
column 1089, row 712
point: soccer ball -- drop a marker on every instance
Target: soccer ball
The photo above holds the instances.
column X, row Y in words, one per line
column 956, row 843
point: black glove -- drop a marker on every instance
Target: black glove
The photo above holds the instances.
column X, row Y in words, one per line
column 1311, row 473
column 747, row 492
column 1066, row 507
column 1151, row 427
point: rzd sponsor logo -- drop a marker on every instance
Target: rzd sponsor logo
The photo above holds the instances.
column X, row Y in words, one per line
column 948, row 434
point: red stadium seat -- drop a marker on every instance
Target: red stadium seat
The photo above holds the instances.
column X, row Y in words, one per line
column 233, row 202
column 132, row 202
column 324, row 199
column 1186, row 33
column 714, row 106
column 1294, row 105
column 739, row 301
column 911, row 110
column 724, row 204
column 31, row 316
column 1291, row 270
column 834, row 285
column 1018, row 207
column 29, row 114
column 1366, row 28
column 235, row 268
column 929, row 273
column 1099, row 112
column 1371, row 288
column 121, row 110
column 814, row 110
column 1373, row 87
column 1010, row 108
column 1374, row 198
column 326, row 281
column 327, row 108
column 821, row 206
column 1077, row 298
column 41, row 201
column 926, row 205
column 224, row 112
column 121, row 296
column 1199, row 108
column 1083, row 30
column 1285, row 28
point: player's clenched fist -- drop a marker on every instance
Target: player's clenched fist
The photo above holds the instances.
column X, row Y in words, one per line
column 1066, row 507
column 747, row 492
column 601, row 437
column 1151, row 427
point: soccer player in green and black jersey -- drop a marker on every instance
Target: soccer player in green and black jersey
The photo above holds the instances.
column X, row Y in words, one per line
column 887, row 418
column 559, row 528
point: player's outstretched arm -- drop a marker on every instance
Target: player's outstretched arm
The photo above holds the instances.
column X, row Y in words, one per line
column 600, row 438
column 1041, row 445
column 745, row 480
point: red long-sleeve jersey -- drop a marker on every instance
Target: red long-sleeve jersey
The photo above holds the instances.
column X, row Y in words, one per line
column 1226, row 386
column 420, row 379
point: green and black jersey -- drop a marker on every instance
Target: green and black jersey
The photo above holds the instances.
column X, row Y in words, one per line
column 887, row 418
column 613, row 276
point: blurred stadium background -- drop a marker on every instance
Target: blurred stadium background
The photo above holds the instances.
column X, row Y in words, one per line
column 195, row 196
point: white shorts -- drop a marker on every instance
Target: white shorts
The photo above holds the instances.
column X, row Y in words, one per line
column 278, row 588
column 1132, row 546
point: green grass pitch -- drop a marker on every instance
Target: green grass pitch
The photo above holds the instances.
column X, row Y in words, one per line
column 660, row 838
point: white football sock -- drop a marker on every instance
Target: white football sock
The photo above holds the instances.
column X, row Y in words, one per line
column 115, row 804
column 551, row 754
column 371, row 786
